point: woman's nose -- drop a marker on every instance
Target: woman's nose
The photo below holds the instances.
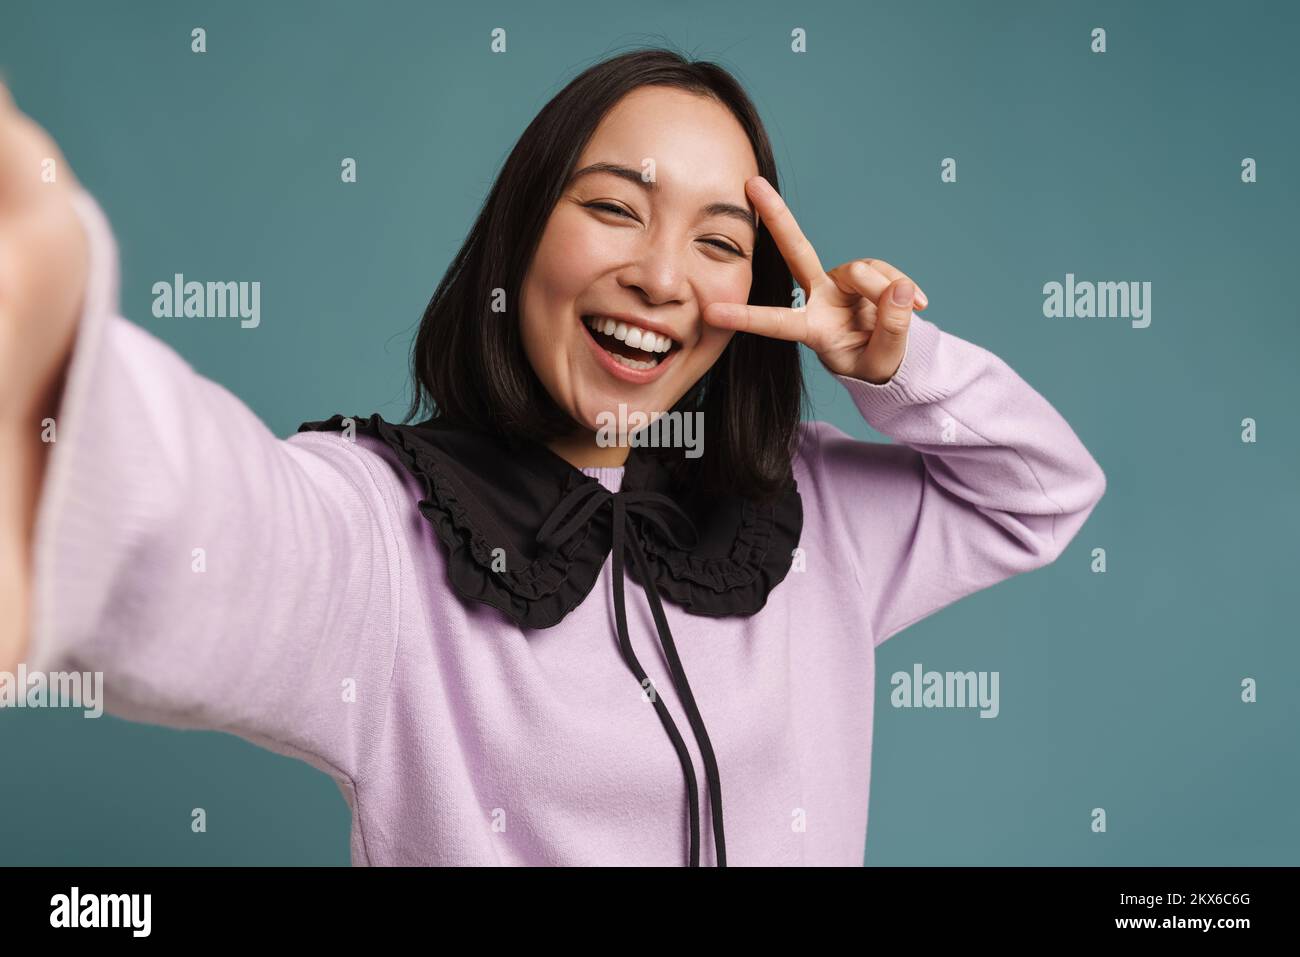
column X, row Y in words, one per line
column 658, row 271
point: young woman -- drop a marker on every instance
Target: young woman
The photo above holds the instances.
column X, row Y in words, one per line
column 510, row 633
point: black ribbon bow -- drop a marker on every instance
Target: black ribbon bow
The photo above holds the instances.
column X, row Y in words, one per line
column 675, row 525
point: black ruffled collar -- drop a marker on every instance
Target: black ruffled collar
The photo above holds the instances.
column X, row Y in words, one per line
column 528, row 533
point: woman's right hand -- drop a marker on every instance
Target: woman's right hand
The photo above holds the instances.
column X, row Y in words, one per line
column 44, row 256
column 44, row 264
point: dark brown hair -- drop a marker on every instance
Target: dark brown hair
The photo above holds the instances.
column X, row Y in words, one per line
column 474, row 373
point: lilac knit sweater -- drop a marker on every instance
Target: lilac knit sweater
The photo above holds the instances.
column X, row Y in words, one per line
column 469, row 740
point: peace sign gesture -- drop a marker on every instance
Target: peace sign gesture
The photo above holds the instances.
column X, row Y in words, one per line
column 855, row 317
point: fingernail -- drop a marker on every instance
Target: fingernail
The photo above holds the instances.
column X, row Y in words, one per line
column 922, row 298
column 904, row 293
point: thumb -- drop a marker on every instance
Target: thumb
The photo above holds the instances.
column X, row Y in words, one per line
column 885, row 349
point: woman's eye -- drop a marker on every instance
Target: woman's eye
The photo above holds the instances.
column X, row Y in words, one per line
column 724, row 246
column 620, row 211
column 610, row 208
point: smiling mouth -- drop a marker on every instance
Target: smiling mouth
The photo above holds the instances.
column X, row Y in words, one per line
column 631, row 346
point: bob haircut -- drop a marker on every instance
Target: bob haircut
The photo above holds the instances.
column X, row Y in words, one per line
column 468, row 362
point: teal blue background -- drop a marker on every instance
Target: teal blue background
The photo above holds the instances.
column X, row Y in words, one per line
column 1118, row 690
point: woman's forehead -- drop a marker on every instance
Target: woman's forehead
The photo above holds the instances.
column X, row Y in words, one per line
column 684, row 142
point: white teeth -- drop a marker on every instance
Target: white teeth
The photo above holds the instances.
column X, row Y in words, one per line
column 634, row 336
column 633, row 363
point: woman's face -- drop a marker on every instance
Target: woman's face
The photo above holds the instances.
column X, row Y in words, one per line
column 613, row 300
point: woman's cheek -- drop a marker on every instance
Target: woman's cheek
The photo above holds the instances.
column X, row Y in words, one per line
column 711, row 345
column 582, row 249
column 589, row 246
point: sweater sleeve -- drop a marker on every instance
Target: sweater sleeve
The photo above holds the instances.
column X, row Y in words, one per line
column 986, row 479
column 218, row 577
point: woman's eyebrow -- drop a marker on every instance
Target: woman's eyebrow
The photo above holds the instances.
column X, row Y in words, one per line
column 634, row 176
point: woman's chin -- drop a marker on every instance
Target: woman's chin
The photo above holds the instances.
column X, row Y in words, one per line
column 614, row 412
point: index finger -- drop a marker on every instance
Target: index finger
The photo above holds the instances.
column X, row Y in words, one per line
column 795, row 248
column 775, row 322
